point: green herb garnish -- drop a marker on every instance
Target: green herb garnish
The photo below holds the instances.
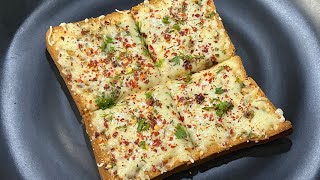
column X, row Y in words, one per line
column 106, row 44
column 142, row 125
column 176, row 60
column 105, row 102
column 242, row 85
column 143, row 144
column 146, row 51
column 222, row 107
column 148, row 94
column 122, row 127
column 176, row 27
column 221, row 68
column 208, row 108
column 180, row 133
column 188, row 78
column 219, row 90
column 159, row 63
column 165, row 20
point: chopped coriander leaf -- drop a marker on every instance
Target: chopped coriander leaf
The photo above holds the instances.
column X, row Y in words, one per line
column 176, row 60
column 242, row 85
column 208, row 108
column 138, row 27
column 222, row 107
column 176, row 27
column 108, row 40
column 142, row 125
column 146, row 51
column 105, row 44
column 122, row 127
column 224, row 51
column 105, row 102
column 212, row 14
column 180, row 133
column 111, row 50
column 143, row 144
column 221, row 68
column 159, row 63
column 188, row 78
column 107, row 116
column 165, row 20
column 148, row 94
column 219, row 90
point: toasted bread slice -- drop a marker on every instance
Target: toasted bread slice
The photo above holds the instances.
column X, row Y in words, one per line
column 101, row 59
column 183, row 35
column 140, row 138
column 222, row 108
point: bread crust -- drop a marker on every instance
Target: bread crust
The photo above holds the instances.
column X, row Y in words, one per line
column 54, row 34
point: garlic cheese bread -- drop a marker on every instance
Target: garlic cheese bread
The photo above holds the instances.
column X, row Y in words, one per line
column 159, row 88
column 101, row 59
column 139, row 138
column 222, row 107
column 182, row 35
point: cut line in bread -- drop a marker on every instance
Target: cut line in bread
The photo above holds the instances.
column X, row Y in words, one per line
column 101, row 59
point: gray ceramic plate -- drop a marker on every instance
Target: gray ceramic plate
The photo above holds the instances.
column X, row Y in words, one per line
column 41, row 136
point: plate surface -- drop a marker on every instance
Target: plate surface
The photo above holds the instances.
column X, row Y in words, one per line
column 40, row 130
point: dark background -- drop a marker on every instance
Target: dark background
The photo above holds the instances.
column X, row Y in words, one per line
column 41, row 136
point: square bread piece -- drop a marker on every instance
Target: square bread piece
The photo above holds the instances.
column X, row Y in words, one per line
column 222, row 108
column 139, row 138
column 183, row 35
column 101, row 59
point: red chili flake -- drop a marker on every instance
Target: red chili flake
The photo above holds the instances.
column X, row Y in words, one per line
column 189, row 126
column 171, row 138
column 136, row 142
column 151, row 48
column 181, row 118
column 84, row 32
column 93, row 63
column 194, row 29
column 96, row 134
column 187, row 65
column 126, row 143
column 231, row 131
column 156, row 142
column 205, row 49
column 106, row 87
column 163, row 148
column 156, row 133
column 213, row 59
column 115, row 134
column 69, row 77
column 197, row 15
column 154, row 168
column 167, row 37
column 132, row 83
column 183, row 86
column 106, row 124
column 199, row 98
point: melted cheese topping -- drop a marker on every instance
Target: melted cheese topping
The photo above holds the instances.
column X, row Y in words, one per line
column 220, row 104
column 185, row 35
column 104, row 55
column 154, row 147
